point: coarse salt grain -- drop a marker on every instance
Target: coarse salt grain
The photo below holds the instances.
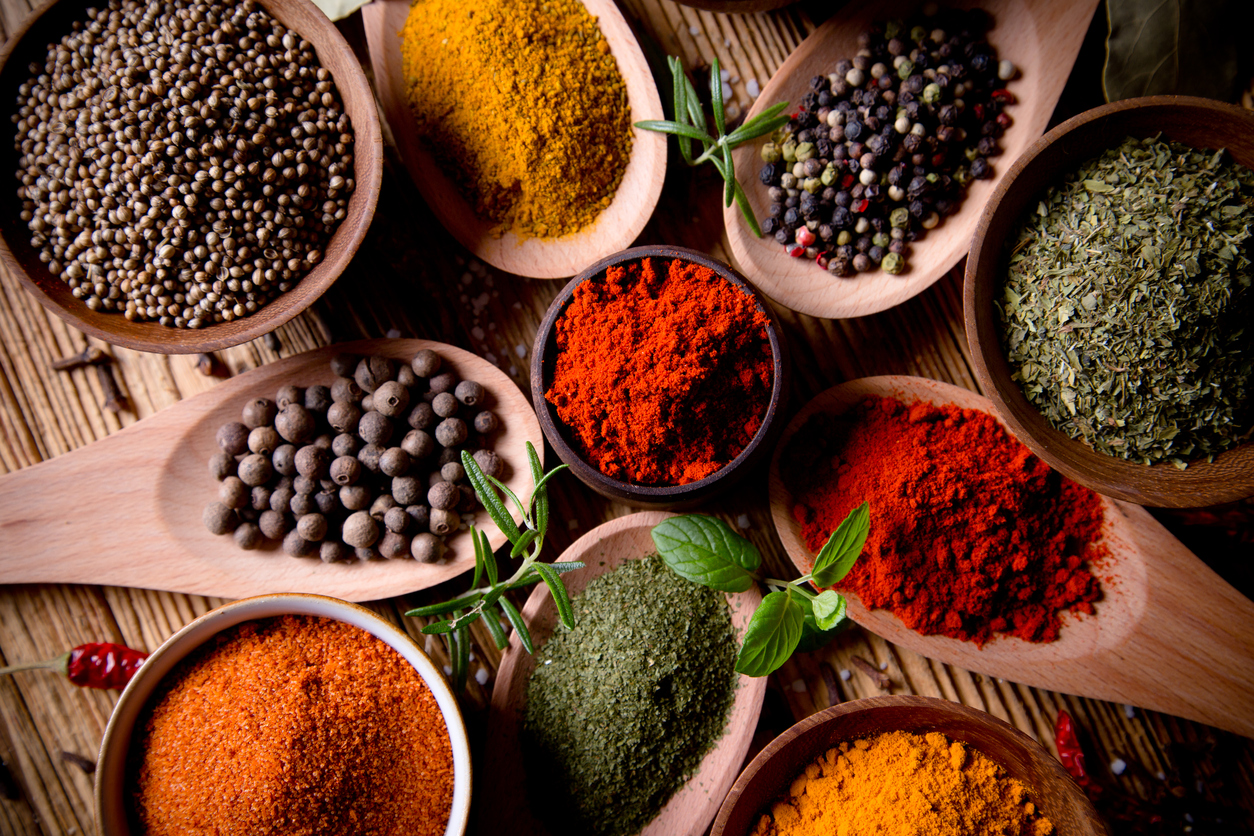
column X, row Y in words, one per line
column 520, row 350
column 883, row 666
column 481, row 676
column 752, row 88
column 694, row 30
column 799, row 686
column 1129, row 711
column 1118, row 765
column 845, row 674
column 478, row 333
column 742, row 521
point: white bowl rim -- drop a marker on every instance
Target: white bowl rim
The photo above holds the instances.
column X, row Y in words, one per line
column 111, row 764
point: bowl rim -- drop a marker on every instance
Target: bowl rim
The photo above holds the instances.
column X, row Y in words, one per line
column 110, row 778
column 657, row 496
column 1230, row 476
column 111, row 327
column 939, row 707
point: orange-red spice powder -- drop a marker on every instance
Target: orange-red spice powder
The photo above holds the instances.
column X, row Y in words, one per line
column 663, row 371
column 292, row 725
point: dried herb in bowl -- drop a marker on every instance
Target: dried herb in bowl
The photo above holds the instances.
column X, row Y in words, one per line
column 1127, row 299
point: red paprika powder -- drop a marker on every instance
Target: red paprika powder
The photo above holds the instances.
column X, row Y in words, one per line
column 971, row 535
column 663, row 371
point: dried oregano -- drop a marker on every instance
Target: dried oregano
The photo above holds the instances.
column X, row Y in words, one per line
column 1125, row 309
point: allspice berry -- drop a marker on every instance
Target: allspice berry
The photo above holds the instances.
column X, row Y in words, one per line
column 422, row 416
column 451, row 431
column 345, row 470
column 374, row 428
column 383, row 503
column 317, row 398
column 297, row 546
column 312, row 461
column 346, row 390
column 343, row 417
column 344, row 364
column 425, row 363
column 373, row 372
column 288, row 395
column 284, row 459
column 486, row 422
column 394, row 545
column 355, row 497
column 453, row 472
column 407, row 490
column 233, row 438
column 304, row 486
column 312, row 527
column 443, row 382
column 391, row 399
column 470, row 393
column 394, row 462
column 273, row 524
column 219, row 519
column 233, row 493
column 490, row 462
column 469, row 502
column 248, row 536
column 396, row 520
column 264, row 440
column 260, row 498
column 421, row 516
column 255, row 469
column 405, row 376
column 295, row 423
column 221, row 465
column 443, row 496
column 302, row 504
column 444, row 405
column 444, row 522
column 360, row 530
column 281, row 500
column 418, row 444
column 346, row 444
column 426, row 548
column 334, row 551
column 327, row 500
column 369, row 457
column 259, row 412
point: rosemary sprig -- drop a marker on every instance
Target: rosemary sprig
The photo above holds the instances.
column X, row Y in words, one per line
column 489, row 601
column 689, row 126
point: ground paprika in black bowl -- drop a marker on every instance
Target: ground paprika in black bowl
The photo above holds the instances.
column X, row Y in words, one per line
column 657, row 375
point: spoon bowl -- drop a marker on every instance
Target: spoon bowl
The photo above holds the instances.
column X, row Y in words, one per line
column 541, row 258
column 1042, row 38
column 690, row 811
column 137, row 497
column 1169, row 634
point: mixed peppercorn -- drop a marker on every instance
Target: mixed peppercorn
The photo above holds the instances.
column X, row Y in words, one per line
column 884, row 146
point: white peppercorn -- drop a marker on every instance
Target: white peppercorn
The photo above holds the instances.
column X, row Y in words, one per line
column 346, row 390
column 221, row 465
column 355, row 497
column 426, row 548
column 248, row 536
column 374, row 428
column 425, row 363
column 470, row 393
column 312, row 461
column 444, row 405
column 255, row 469
column 233, row 438
column 264, row 440
column 273, row 524
column 422, row 416
column 443, row 496
column 443, row 522
column 345, row 470
column 334, row 551
column 394, row 462
column 394, row 545
column 219, row 519
column 284, row 459
column 259, row 412
column 443, row 382
column 343, row 417
column 295, row 423
column 486, row 422
column 346, row 444
column 360, row 530
column 451, row 431
column 312, row 527
column 297, row 546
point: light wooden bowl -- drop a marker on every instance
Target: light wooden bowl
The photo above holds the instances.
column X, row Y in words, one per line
column 1042, row 37
column 1197, row 122
column 773, row 770
column 541, row 258
column 30, row 43
column 737, row 7
column 689, row 811
column 544, row 358
column 110, row 783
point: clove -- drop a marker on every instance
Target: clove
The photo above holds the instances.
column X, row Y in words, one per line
column 88, row 766
column 115, row 401
column 882, row 680
column 90, row 356
column 210, row 366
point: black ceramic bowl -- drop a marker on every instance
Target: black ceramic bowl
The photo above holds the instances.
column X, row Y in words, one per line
column 544, row 357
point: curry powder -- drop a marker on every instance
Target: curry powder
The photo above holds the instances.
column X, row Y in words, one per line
column 523, row 104
column 903, row 784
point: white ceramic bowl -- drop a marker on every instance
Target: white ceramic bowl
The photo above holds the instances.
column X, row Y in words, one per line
column 111, row 818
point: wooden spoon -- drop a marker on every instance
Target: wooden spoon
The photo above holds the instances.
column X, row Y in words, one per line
column 690, row 811
column 1169, row 634
column 542, row 258
column 126, row 510
column 1042, row 38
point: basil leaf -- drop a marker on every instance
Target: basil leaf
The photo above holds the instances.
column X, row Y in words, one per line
column 772, row 636
column 706, row 551
column 812, row 638
column 828, row 608
column 840, row 551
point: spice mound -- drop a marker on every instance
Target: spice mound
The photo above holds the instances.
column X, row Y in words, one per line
column 367, row 468
column 663, row 373
column 524, row 106
column 905, row 783
column 182, row 163
column 1128, row 297
column 971, row 535
column 883, row 147
column 292, row 725
column 621, row 710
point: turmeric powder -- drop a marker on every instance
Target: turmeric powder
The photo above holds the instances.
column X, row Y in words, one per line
column 523, row 103
column 903, row 784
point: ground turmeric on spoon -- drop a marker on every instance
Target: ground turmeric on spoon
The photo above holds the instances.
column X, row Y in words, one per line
column 523, row 104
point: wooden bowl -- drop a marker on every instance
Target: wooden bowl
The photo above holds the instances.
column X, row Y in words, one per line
column 1197, row 122
column 773, row 770
column 544, row 356
column 30, row 44
column 1042, row 37
column 690, row 810
column 541, row 258
column 111, row 779
column 737, row 7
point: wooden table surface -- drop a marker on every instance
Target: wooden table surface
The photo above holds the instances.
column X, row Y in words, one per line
column 411, row 279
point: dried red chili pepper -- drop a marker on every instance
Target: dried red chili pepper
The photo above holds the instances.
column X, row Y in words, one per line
column 1067, row 741
column 92, row 665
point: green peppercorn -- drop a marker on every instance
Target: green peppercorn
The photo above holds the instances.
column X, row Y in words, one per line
column 813, row 185
column 770, row 153
column 893, row 264
column 789, row 150
column 905, row 70
column 932, row 93
column 806, row 151
column 830, row 175
column 899, row 218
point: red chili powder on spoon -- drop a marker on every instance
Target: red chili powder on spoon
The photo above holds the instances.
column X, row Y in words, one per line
column 971, row 536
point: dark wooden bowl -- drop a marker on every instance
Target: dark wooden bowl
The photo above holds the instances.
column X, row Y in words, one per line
column 544, row 355
column 773, row 770
column 737, row 7
column 30, row 44
column 1197, row 122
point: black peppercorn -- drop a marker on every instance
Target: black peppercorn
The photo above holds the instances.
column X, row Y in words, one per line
column 770, row 224
column 980, row 169
column 792, row 218
column 783, row 236
column 769, row 173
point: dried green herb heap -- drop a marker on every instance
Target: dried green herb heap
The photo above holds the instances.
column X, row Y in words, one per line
column 621, row 710
column 1126, row 307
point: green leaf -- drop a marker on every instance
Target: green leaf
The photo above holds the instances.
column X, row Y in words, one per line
column 461, row 658
column 445, row 607
column 742, row 201
column 695, row 114
column 491, row 502
column 729, row 184
column 527, row 538
column 558, row 590
column 1175, row 47
column 828, row 608
column 440, row 627
column 840, row 551
column 539, row 494
column 706, row 551
column 480, row 559
column 516, row 619
column 772, row 635
column 544, row 482
column 813, row 638
column 505, row 489
column 566, row 566
column 664, row 126
column 755, row 128
column 679, row 102
column 489, row 559
column 716, row 98
column 494, row 627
